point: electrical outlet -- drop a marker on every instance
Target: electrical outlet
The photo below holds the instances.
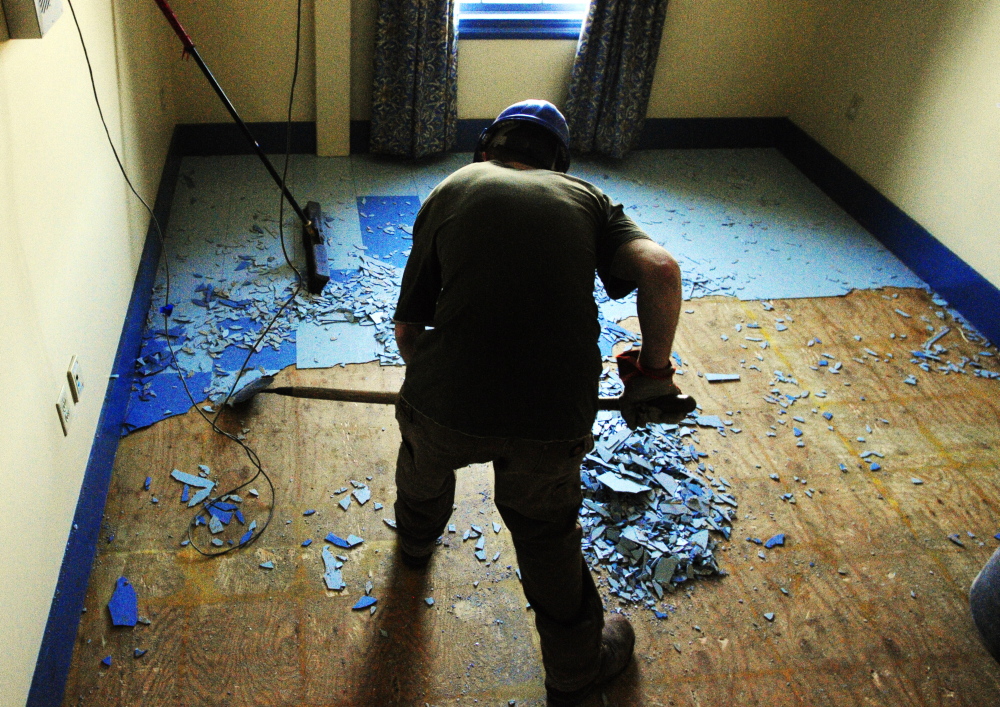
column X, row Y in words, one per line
column 75, row 377
column 64, row 406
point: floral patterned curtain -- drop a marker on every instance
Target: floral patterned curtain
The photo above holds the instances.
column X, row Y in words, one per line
column 613, row 74
column 414, row 102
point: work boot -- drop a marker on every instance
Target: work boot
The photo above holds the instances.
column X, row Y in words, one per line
column 617, row 645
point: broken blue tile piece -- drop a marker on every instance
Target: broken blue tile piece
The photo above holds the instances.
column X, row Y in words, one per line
column 778, row 539
column 307, row 542
column 769, row 616
column 875, row 466
column 336, row 540
column 106, row 661
column 223, row 516
column 245, row 538
column 429, row 601
column 269, row 565
column 139, row 652
column 146, row 484
column 217, row 542
column 828, row 415
column 184, row 493
column 309, row 512
column 755, row 541
column 796, row 431
column 722, row 377
column 353, row 540
column 955, row 539
column 124, row 606
column 660, row 614
column 364, row 602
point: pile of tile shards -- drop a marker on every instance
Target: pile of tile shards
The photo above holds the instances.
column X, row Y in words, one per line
column 650, row 506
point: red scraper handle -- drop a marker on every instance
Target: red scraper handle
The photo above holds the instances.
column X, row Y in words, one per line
column 176, row 24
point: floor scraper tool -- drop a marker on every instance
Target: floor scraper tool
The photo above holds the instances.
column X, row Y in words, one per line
column 317, row 267
column 674, row 405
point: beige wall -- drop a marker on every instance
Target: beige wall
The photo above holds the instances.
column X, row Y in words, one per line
column 927, row 129
column 730, row 58
column 250, row 48
column 70, row 241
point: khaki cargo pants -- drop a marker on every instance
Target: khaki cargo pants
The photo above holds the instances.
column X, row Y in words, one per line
column 537, row 492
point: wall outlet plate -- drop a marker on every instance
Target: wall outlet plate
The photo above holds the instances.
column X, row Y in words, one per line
column 74, row 375
column 31, row 19
column 64, row 406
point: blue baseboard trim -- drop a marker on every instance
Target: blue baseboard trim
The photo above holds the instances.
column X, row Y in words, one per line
column 468, row 134
column 55, row 656
column 657, row 133
column 210, row 139
column 975, row 297
column 710, row 133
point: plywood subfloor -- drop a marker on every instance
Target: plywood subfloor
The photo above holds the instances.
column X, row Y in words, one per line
column 876, row 611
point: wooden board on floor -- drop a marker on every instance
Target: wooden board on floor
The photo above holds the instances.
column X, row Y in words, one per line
column 876, row 610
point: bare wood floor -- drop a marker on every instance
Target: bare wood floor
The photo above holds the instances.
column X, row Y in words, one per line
column 876, row 611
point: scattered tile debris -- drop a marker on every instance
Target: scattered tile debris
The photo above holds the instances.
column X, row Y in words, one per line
column 269, row 565
column 646, row 516
column 364, row 602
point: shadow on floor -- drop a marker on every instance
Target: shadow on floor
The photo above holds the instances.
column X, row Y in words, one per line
column 395, row 667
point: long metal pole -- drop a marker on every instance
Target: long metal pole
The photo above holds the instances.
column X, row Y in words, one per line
column 189, row 48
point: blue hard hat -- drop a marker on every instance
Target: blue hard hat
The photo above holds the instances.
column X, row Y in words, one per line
column 534, row 111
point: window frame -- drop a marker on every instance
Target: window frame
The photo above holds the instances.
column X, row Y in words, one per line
column 519, row 28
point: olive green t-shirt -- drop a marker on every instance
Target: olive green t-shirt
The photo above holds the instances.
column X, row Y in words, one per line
column 502, row 267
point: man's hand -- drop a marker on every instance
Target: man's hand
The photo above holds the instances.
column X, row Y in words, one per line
column 650, row 395
column 406, row 338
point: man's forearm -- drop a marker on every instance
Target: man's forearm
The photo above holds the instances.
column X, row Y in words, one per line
column 406, row 338
column 658, row 301
column 658, row 304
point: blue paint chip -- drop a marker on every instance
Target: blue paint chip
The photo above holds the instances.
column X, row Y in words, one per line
column 139, row 652
column 124, row 606
column 246, row 537
column 828, row 415
column 337, row 540
column 660, row 614
column 106, row 662
column 778, row 539
column 364, row 602
column 269, row 565
column 185, row 494
column 796, row 431
column 309, row 512
column 875, row 466
column 307, row 542
column 147, row 483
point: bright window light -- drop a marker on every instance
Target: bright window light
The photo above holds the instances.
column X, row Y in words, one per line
column 520, row 19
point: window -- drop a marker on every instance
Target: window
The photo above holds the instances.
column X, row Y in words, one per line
column 520, row 19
